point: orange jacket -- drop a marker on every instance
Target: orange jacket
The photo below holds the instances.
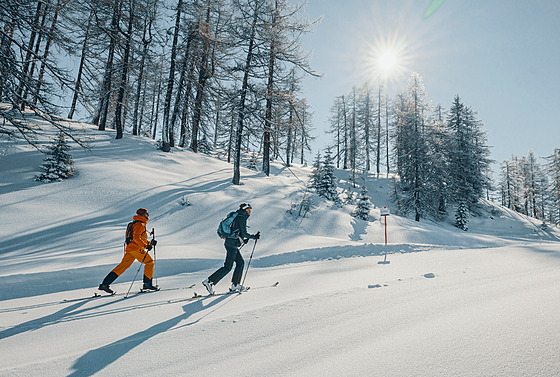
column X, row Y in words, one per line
column 139, row 235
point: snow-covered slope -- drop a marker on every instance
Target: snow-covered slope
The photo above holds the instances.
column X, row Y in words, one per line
column 482, row 302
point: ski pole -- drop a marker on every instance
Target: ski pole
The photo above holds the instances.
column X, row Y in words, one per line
column 249, row 263
column 141, row 263
column 155, row 259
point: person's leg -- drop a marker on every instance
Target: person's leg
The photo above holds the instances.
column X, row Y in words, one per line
column 148, row 265
column 228, row 264
column 148, row 269
column 116, row 272
column 238, row 272
column 126, row 262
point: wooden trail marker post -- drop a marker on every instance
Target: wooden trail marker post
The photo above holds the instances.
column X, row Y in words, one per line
column 385, row 212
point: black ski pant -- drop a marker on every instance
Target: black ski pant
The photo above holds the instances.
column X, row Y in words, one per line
column 232, row 255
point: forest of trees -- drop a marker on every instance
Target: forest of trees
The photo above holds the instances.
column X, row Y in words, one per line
column 441, row 158
column 205, row 74
column 532, row 188
column 195, row 73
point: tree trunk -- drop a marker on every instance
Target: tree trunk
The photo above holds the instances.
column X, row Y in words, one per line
column 269, row 92
column 179, row 103
column 50, row 36
column 241, row 108
column 78, row 85
column 203, row 75
column 5, row 46
column 108, row 77
column 378, row 160
column 124, row 74
column 24, row 80
column 146, row 43
column 29, row 75
column 367, row 127
column 166, row 146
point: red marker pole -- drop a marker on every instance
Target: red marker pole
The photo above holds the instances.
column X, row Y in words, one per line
column 385, row 230
column 385, row 212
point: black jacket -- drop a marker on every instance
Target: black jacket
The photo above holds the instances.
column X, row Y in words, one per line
column 239, row 227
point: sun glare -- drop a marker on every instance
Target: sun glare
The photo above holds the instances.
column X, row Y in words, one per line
column 387, row 61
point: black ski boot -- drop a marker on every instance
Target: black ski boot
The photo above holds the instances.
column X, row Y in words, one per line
column 148, row 285
column 104, row 286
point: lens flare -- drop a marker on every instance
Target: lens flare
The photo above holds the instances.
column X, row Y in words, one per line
column 433, row 7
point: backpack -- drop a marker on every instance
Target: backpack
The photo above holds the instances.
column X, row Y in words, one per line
column 129, row 234
column 224, row 228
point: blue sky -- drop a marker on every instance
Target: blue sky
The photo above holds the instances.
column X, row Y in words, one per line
column 500, row 56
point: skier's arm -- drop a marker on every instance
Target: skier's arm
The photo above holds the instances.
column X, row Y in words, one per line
column 140, row 236
column 243, row 229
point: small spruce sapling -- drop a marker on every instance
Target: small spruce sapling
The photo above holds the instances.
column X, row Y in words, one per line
column 461, row 217
column 58, row 163
column 364, row 204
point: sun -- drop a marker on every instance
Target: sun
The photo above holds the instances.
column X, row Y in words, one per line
column 387, row 61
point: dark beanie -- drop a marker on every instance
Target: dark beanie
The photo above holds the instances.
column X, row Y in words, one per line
column 142, row 211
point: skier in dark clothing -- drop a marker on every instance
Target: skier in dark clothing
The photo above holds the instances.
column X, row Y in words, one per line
column 232, row 244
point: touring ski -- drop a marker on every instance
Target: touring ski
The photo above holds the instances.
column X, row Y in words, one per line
column 197, row 296
column 100, row 295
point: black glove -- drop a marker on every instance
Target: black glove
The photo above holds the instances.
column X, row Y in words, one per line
column 153, row 243
column 149, row 247
column 245, row 240
column 258, row 235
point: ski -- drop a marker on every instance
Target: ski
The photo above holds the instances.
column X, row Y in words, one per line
column 95, row 295
column 100, row 295
column 196, row 296
column 268, row 286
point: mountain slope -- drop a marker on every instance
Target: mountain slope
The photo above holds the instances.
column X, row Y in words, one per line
column 450, row 303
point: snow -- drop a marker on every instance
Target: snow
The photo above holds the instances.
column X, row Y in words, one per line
column 450, row 303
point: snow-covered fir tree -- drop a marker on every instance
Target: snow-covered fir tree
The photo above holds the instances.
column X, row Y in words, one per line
column 348, row 195
column 58, row 163
column 553, row 169
column 411, row 151
column 253, row 162
column 363, row 204
column 327, row 185
column 467, row 155
column 462, row 216
column 524, row 186
column 315, row 176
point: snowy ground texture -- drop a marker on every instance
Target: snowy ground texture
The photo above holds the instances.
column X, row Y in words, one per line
column 480, row 303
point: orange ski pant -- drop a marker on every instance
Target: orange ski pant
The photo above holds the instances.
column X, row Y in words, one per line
column 142, row 257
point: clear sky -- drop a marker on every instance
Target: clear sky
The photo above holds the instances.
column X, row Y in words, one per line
column 502, row 57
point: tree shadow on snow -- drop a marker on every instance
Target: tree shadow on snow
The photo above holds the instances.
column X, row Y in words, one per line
column 98, row 359
column 62, row 315
column 359, row 229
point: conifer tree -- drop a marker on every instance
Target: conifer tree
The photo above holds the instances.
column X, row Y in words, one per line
column 553, row 168
column 467, row 155
column 327, row 184
column 461, row 216
column 412, row 153
column 364, row 204
column 58, row 163
column 315, row 176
